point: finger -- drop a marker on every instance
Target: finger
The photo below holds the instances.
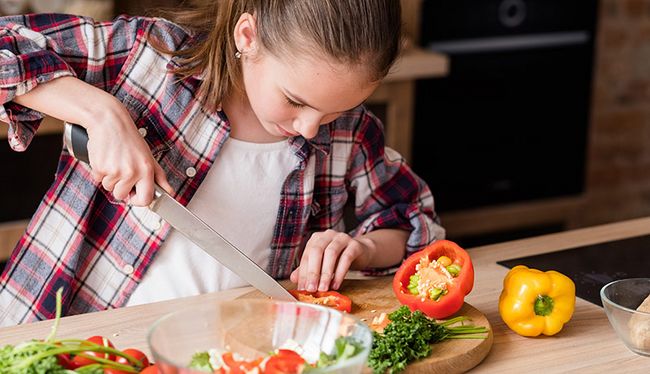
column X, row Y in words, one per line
column 294, row 276
column 313, row 269
column 302, row 272
column 122, row 189
column 351, row 252
column 97, row 176
column 330, row 257
column 161, row 179
column 108, row 183
column 143, row 192
column 315, row 247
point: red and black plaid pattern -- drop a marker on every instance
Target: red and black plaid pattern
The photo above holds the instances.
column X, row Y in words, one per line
column 99, row 251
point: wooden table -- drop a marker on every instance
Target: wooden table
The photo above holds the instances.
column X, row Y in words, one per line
column 587, row 343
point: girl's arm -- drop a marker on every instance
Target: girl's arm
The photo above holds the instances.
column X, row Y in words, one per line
column 394, row 206
column 386, row 248
column 40, row 56
column 119, row 157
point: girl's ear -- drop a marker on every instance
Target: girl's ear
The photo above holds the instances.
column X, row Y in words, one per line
column 246, row 34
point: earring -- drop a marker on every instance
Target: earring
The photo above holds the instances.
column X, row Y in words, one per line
column 237, row 54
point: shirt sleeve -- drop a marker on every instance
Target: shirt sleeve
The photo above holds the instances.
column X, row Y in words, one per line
column 37, row 48
column 388, row 194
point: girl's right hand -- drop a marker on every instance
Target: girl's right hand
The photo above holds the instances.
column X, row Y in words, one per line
column 120, row 158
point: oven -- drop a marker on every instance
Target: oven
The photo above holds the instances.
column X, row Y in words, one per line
column 510, row 121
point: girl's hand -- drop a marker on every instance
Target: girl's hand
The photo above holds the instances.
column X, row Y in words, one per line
column 327, row 258
column 120, row 158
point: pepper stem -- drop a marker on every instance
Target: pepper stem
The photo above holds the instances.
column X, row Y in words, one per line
column 543, row 305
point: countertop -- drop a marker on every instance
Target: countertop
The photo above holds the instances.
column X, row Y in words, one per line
column 586, row 344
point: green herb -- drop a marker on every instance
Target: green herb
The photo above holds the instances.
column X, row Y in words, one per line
column 408, row 337
column 201, row 362
column 11, row 357
column 40, row 356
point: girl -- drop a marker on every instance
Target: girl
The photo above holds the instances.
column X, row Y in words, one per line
column 247, row 111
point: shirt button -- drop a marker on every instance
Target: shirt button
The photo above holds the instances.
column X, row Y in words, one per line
column 142, row 131
column 190, row 172
column 156, row 225
column 128, row 269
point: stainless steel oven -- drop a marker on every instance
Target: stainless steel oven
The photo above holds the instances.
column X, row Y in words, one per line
column 510, row 121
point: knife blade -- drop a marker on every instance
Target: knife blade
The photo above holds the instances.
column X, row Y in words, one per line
column 192, row 227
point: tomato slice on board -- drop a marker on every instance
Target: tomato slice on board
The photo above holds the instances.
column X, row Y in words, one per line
column 285, row 361
column 99, row 340
column 331, row 299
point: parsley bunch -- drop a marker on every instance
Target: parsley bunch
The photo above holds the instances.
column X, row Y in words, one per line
column 408, row 337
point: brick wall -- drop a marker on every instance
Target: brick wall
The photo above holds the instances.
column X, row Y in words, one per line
column 618, row 168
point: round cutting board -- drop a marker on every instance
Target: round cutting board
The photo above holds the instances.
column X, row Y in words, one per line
column 374, row 296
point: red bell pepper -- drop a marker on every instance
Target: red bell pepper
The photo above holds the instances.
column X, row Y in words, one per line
column 446, row 264
column 331, row 299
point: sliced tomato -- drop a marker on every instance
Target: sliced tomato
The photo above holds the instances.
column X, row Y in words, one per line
column 135, row 353
column 100, row 340
column 331, row 299
column 239, row 366
column 285, row 361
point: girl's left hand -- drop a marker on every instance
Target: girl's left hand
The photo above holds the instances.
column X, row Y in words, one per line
column 327, row 258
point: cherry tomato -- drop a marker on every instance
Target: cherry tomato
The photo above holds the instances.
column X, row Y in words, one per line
column 65, row 360
column 285, row 361
column 331, row 299
column 135, row 353
column 116, row 371
column 153, row 369
column 100, row 340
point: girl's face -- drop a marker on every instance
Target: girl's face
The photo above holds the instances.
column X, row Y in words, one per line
column 296, row 97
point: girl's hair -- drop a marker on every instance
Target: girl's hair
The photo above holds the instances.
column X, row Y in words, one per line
column 365, row 33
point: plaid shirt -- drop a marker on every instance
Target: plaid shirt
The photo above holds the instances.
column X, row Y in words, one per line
column 99, row 251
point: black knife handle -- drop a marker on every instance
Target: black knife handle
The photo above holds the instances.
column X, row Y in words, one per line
column 75, row 138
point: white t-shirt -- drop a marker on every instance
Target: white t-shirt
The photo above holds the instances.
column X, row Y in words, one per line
column 239, row 198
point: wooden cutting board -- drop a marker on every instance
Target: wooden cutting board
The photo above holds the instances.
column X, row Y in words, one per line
column 372, row 297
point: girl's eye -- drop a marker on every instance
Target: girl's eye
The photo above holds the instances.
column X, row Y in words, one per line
column 293, row 103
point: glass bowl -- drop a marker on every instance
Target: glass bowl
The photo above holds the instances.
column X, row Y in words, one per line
column 253, row 328
column 621, row 299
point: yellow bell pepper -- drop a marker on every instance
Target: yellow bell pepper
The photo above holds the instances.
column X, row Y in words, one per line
column 534, row 302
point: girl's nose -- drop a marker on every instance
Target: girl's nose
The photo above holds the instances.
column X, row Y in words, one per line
column 307, row 125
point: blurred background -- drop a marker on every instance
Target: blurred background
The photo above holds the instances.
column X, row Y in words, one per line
column 524, row 116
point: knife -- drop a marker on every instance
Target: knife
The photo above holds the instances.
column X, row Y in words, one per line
column 192, row 227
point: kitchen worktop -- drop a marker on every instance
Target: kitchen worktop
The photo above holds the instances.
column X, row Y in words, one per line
column 586, row 344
